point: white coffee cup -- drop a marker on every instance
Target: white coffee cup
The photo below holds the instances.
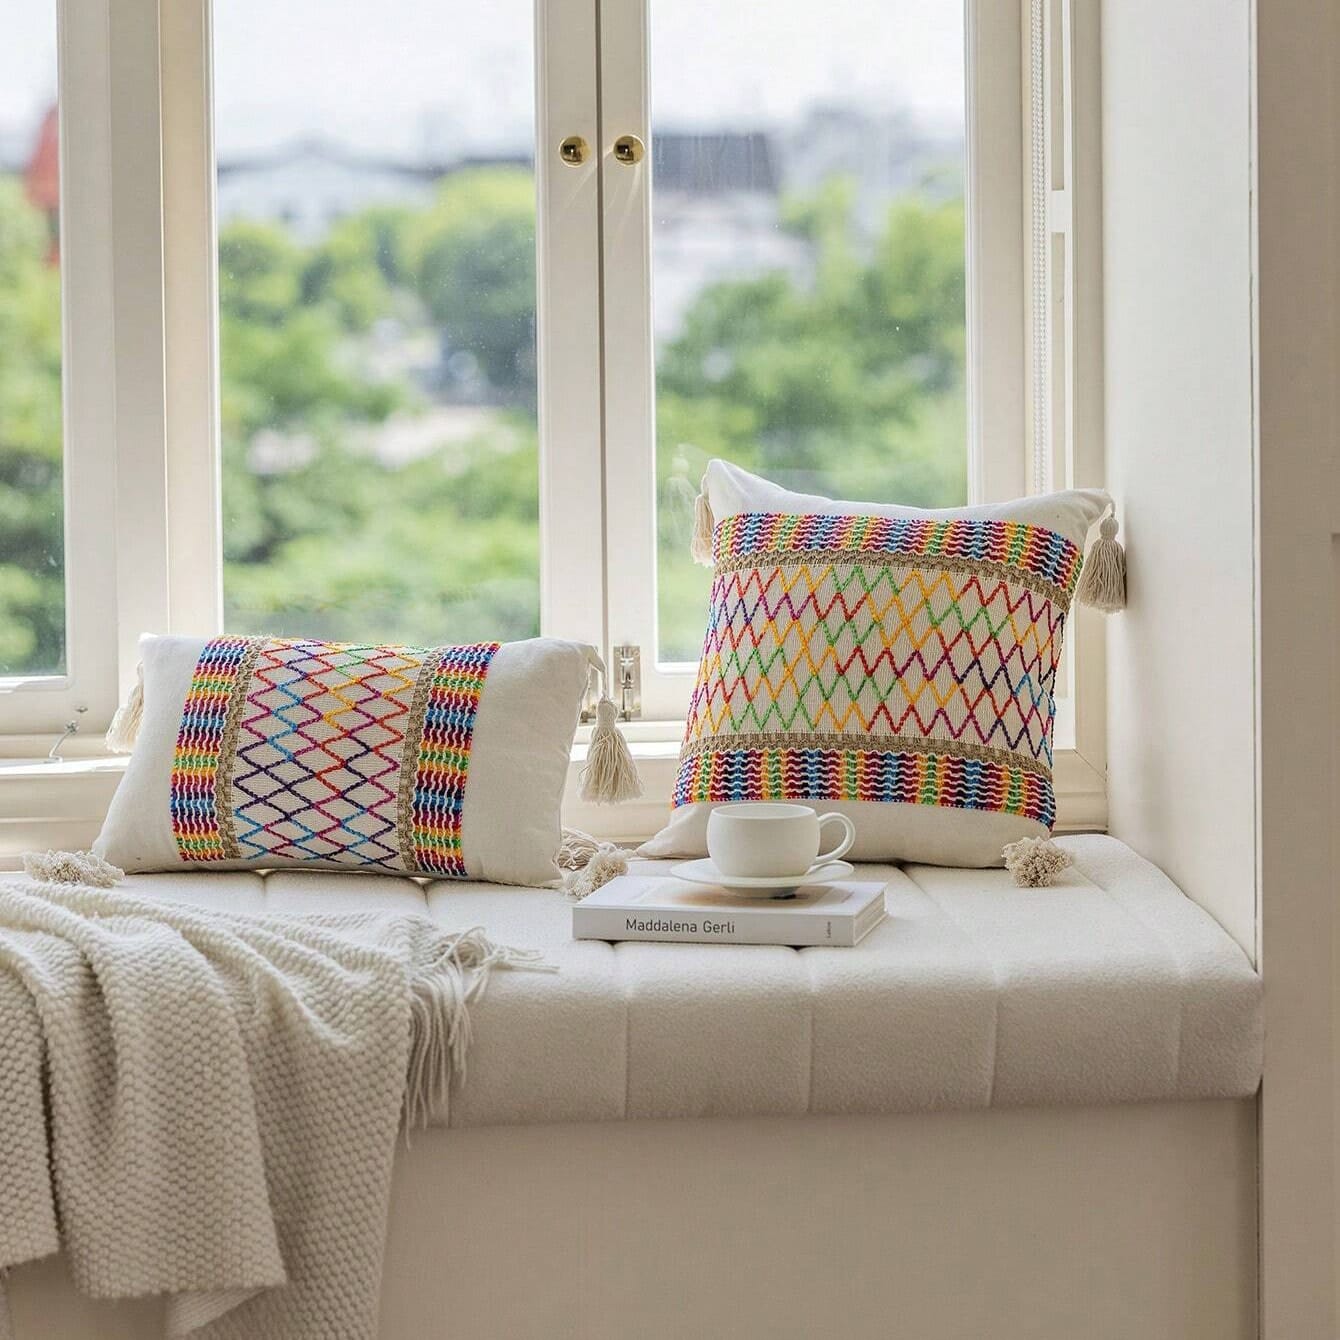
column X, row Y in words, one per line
column 766, row 840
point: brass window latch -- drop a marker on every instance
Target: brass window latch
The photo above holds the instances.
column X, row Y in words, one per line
column 628, row 149
column 574, row 151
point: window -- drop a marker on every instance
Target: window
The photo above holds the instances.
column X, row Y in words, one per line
column 806, row 237
column 411, row 352
column 32, row 507
column 55, row 647
column 376, row 215
column 781, row 281
column 807, row 262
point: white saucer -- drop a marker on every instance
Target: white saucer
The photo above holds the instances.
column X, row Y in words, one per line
column 704, row 872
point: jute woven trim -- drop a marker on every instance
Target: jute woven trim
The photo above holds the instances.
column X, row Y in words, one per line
column 409, row 756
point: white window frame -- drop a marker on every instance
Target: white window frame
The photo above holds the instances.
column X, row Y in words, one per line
column 1063, row 377
column 155, row 563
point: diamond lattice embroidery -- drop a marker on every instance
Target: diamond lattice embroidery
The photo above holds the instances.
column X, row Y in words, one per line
column 292, row 750
column 318, row 754
column 890, row 650
column 871, row 658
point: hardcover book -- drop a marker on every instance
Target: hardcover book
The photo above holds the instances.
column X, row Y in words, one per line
column 657, row 907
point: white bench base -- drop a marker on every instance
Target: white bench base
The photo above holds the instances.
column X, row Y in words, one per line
column 1022, row 1224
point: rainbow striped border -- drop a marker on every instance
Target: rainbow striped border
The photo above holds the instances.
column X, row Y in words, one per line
column 431, row 839
column 909, row 777
column 1034, row 550
column 199, row 824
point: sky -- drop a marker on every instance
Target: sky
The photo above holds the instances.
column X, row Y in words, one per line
column 407, row 75
column 27, row 60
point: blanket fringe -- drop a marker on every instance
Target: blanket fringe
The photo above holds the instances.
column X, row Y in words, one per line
column 440, row 1031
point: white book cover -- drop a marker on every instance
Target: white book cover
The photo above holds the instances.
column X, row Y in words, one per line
column 658, row 907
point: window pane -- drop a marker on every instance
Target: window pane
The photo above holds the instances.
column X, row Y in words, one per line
column 32, row 564
column 376, row 208
column 807, row 258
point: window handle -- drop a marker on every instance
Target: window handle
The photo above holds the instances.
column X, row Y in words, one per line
column 628, row 149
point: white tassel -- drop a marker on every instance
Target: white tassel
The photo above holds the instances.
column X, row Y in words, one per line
column 125, row 727
column 1102, row 582
column 605, row 864
column 700, row 546
column 71, row 867
column 1035, row 862
column 589, row 862
column 610, row 775
column 576, row 849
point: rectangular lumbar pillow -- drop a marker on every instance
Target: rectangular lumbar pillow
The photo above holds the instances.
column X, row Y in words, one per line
column 894, row 663
column 260, row 752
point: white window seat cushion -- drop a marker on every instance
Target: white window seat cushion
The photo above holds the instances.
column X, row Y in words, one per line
column 1111, row 986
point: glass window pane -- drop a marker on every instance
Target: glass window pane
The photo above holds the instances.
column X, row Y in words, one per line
column 376, row 207
column 807, row 260
column 32, row 563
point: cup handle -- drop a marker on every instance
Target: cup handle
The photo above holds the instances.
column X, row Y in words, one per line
column 842, row 847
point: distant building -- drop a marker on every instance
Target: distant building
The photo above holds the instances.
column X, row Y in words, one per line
column 715, row 163
column 884, row 154
column 715, row 218
column 310, row 185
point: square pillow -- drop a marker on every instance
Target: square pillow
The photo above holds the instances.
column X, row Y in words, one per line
column 259, row 752
column 891, row 663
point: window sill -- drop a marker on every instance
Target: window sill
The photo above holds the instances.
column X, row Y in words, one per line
column 61, row 805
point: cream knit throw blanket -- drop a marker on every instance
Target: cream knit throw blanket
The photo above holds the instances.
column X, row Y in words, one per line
column 205, row 1105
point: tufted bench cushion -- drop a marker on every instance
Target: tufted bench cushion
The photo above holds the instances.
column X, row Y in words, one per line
column 1110, row 987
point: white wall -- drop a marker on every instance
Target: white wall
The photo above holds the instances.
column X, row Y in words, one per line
column 1177, row 248
column 1223, row 447
column 1298, row 682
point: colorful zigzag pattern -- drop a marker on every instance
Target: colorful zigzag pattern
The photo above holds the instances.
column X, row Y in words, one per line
column 1025, row 550
column 908, row 777
column 438, row 797
column 193, row 800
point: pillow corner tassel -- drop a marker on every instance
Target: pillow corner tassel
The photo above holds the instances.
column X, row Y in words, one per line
column 610, row 775
column 1035, row 862
column 1102, row 581
column 704, row 524
column 125, row 727
column 588, row 863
